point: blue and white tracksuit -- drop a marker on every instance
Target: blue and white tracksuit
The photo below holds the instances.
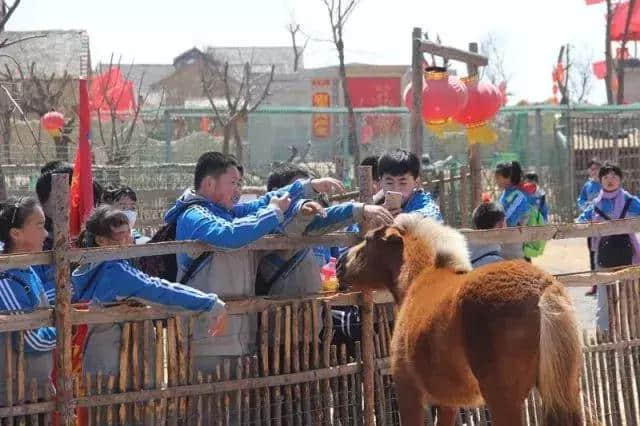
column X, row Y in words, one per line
column 607, row 207
column 116, row 280
column 231, row 271
column 516, row 205
column 21, row 292
column 590, row 190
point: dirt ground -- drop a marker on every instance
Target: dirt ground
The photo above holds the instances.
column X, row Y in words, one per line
column 563, row 256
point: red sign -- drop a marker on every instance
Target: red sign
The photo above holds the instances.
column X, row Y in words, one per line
column 321, row 123
column 371, row 92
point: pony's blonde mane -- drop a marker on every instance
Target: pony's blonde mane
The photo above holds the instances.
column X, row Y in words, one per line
column 449, row 245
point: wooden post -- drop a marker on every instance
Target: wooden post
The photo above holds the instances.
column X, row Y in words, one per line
column 365, row 177
column 368, row 358
column 475, row 165
column 64, row 391
column 416, row 84
column 539, row 139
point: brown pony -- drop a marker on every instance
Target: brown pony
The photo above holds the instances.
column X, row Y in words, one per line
column 467, row 338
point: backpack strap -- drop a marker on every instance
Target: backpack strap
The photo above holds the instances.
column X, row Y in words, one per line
column 491, row 253
column 193, row 267
column 601, row 213
column 280, row 272
column 23, row 283
column 625, row 209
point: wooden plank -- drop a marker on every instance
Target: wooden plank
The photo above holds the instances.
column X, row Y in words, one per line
column 344, row 398
column 111, row 382
column 246, row 402
column 172, row 371
column 327, row 336
column 200, row 405
column 226, row 402
column 64, row 390
column 99, row 410
column 257, row 398
column 20, row 382
column 417, row 70
column 10, row 371
column 307, row 330
column 275, row 365
column 160, row 405
column 237, row 406
column 124, row 368
column 452, row 53
column 182, row 365
column 368, row 366
column 33, row 392
column 359, row 394
column 219, row 398
column 316, row 397
column 264, row 358
column 147, row 369
column 295, row 358
column 337, row 403
column 136, row 369
column 286, row 366
column 88, row 383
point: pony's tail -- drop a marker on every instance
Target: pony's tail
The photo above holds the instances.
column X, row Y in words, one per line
column 560, row 359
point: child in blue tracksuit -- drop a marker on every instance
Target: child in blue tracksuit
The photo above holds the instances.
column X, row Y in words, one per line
column 22, row 231
column 210, row 213
column 398, row 171
column 514, row 201
column 612, row 203
column 590, row 190
column 116, row 280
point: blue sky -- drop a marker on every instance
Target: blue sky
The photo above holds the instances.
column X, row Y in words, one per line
column 155, row 31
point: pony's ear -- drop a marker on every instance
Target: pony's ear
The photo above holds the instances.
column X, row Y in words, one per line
column 393, row 235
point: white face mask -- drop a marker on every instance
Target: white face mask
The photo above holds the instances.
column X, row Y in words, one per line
column 131, row 216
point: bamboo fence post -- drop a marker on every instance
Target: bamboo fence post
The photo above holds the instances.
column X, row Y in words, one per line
column 88, row 390
column 295, row 365
column 327, row 336
column 315, row 336
column 200, row 406
column 275, row 364
column 65, row 405
column 226, row 369
column 264, row 357
column 21, row 375
column 147, row 361
column 136, row 372
column 306, row 342
column 464, row 207
column 255, row 370
column 173, row 373
column 99, row 409
column 368, row 360
column 161, row 404
column 9, row 371
column 125, row 338
column 246, row 403
column 34, row 398
column 238, row 395
column 286, row 365
column 111, row 382
column 344, row 398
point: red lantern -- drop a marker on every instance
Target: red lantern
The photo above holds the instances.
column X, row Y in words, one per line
column 443, row 97
column 484, row 102
column 53, row 122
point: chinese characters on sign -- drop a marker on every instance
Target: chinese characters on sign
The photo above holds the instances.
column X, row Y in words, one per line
column 321, row 123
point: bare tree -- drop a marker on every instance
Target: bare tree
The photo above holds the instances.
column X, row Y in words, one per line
column 39, row 94
column 339, row 13
column 581, row 76
column 242, row 95
column 493, row 47
column 117, row 131
column 564, row 63
column 294, row 29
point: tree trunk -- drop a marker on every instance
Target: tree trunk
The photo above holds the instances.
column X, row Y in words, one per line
column 3, row 186
column 238, row 142
column 226, row 138
column 620, row 61
column 352, row 137
column 609, row 59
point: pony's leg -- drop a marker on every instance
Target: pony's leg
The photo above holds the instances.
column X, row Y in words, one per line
column 410, row 403
column 447, row 416
column 505, row 413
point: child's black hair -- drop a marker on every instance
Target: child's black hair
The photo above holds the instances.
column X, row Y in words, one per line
column 398, row 163
column 14, row 211
column 487, row 215
column 52, row 165
column 511, row 171
column 594, row 162
column 112, row 195
column 101, row 223
column 284, row 174
column 608, row 167
column 533, row 177
column 212, row 164
column 44, row 183
column 372, row 161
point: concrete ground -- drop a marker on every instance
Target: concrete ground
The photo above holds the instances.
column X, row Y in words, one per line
column 564, row 256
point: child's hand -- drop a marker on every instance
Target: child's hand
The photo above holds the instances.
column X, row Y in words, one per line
column 218, row 324
column 282, row 202
column 377, row 215
column 327, row 185
column 312, row 208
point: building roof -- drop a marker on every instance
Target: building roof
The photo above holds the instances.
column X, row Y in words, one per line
column 53, row 51
column 148, row 73
column 261, row 58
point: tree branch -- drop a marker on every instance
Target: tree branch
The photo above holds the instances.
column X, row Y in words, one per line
column 8, row 14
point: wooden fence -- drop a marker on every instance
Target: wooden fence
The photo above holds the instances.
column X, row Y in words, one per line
column 297, row 374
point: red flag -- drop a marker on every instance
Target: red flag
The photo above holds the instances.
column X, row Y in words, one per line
column 82, row 183
column 590, row 2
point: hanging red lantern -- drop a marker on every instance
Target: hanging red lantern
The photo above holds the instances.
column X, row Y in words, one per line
column 443, row 97
column 484, row 101
column 53, row 122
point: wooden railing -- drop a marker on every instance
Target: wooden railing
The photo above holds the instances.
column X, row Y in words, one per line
column 297, row 375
